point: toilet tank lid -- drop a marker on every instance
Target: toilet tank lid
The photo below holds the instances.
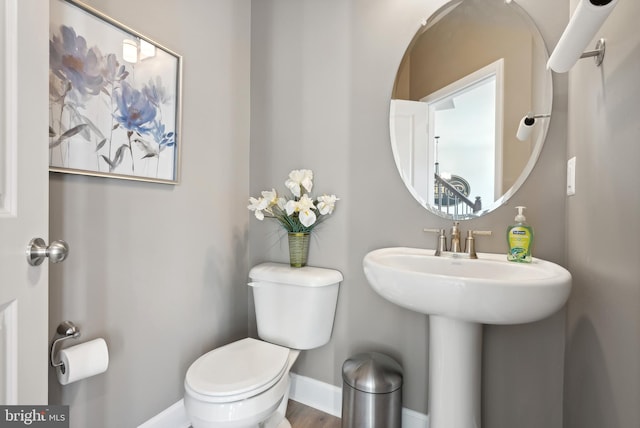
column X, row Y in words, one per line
column 307, row 276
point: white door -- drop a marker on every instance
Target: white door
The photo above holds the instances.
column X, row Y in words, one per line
column 24, row 194
column 408, row 124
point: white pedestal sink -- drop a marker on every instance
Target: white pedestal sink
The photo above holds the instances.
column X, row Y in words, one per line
column 460, row 295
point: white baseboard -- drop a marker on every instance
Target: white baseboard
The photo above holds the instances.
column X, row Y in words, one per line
column 328, row 398
column 172, row 417
column 316, row 394
column 305, row 390
column 413, row 419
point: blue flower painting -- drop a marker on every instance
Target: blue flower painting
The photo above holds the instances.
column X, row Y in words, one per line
column 135, row 111
column 110, row 116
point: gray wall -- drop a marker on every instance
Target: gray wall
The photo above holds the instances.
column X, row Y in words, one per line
column 321, row 78
column 157, row 270
column 602, row 384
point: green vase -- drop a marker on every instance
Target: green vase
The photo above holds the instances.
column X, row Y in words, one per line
column 298, row 248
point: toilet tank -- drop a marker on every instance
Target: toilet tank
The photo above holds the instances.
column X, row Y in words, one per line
column 295, row 307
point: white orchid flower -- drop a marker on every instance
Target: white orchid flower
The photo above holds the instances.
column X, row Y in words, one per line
column 307, row 218
column 270, row 196
column 326, row 203
column 291, row 206
column 299, row 178
column 257, row 205
column 304, row 207
column 305, row 203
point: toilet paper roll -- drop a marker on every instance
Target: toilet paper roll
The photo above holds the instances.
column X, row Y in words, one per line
column 83, row 361
column 583, row 26
column 525, row 128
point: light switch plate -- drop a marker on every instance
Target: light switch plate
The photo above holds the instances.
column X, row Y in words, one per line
column 571, row 176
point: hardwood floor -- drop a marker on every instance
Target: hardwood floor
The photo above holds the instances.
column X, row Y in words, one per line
column 302, row 416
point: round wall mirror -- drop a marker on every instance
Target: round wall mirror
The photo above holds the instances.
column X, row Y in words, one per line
column 469, row 77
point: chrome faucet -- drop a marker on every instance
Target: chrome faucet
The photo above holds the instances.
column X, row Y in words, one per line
column 455, row 250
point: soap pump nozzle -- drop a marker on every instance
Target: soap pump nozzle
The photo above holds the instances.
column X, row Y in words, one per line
column 520, row 218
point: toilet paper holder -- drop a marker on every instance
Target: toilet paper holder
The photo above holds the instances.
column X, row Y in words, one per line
column 67, row 330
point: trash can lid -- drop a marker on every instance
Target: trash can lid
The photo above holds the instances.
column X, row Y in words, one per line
column 372, row 372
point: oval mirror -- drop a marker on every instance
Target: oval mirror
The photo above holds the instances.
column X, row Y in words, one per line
column 469, row 77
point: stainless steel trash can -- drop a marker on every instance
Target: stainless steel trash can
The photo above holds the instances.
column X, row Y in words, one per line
column 371, row 392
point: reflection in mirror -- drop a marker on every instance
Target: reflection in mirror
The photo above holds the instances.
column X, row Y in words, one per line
column 465, row 82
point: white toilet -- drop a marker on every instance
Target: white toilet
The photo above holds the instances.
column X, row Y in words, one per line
column 245, row 384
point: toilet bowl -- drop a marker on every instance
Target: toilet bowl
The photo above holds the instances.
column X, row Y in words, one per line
column 245, row 384
column 239, row 385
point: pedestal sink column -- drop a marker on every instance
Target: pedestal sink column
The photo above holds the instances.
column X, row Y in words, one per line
column 454, row 373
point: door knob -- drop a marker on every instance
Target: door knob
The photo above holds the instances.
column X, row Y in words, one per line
column 37, row 250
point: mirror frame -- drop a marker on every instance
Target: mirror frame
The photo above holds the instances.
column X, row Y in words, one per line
column 540, row 134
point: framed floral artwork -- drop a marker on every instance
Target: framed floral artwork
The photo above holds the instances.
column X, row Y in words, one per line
column 114, row 98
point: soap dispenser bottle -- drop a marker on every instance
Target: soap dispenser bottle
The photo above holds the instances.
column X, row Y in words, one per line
column 520, row 239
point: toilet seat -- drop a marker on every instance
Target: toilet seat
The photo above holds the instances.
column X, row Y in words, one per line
column 236, row 371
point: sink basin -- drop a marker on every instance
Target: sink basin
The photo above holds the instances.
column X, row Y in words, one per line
column 460, row 295
column 487, row 290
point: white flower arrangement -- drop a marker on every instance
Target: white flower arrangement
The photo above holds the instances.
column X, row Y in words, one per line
column 300, row 214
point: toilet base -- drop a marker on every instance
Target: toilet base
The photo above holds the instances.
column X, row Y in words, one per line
column 284, row 424
column 262, row 415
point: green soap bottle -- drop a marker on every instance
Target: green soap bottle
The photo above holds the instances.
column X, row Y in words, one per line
column 520, row 239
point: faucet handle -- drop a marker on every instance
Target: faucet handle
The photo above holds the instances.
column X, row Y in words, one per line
column 442, row 240
column 470, row 246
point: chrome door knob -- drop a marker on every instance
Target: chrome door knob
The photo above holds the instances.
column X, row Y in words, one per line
column 37, row 251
